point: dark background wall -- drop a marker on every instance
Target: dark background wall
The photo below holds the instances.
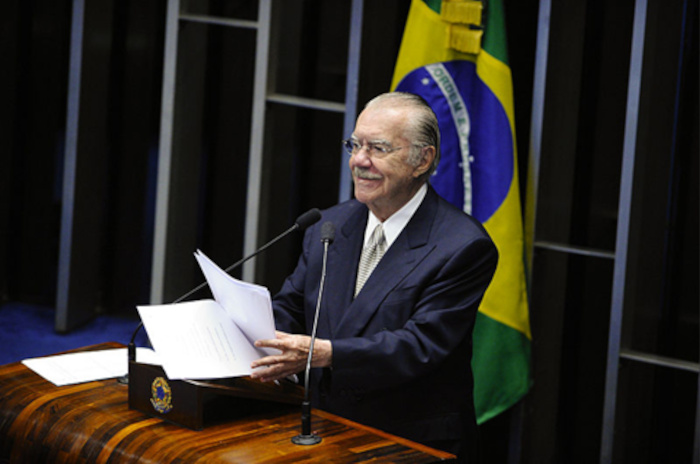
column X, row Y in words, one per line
column 577, row 201
column 121, row 113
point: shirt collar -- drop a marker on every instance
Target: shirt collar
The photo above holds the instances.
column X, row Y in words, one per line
column 395, row 224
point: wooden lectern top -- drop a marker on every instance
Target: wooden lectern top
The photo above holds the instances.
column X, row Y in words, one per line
column 92, row 422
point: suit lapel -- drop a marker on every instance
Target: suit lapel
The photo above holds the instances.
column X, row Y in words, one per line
column 343, row 259
column 407, row 251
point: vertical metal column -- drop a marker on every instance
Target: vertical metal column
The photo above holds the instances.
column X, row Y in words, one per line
column 257, row 137
column 160, row 232
column 353, row 77
column 623, row 229
column 696, row 442
column 70, row 163
column 533, row 178
column 536, row 127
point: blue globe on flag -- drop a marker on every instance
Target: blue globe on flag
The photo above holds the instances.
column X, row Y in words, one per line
column 476, row 167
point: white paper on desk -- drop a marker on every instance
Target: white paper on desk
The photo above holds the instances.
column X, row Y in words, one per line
column 86, row 366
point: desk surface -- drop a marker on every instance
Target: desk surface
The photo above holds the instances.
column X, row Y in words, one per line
column 92, row 422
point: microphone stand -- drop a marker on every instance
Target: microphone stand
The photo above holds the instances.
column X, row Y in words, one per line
column 306, row 437
column 305, row 220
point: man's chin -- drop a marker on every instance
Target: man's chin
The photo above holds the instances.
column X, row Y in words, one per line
column 363, row 197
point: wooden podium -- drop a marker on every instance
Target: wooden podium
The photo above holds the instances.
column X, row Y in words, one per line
column 92, row 422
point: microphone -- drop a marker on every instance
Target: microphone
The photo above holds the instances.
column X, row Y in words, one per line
column 307, row 219
column 306, row 437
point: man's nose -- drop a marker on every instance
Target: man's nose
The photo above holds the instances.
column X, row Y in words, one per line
column 361, row 156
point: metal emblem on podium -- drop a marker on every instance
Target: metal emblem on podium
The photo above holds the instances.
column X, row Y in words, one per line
column 161, row 395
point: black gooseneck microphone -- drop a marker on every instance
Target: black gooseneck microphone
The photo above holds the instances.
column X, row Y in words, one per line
column 310, row 217
column 306, row 437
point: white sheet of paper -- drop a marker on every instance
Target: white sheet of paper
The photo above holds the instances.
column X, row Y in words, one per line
column 197, row 340
column 86, row 366
column 249, row 305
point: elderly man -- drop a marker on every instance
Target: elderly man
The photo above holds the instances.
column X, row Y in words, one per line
column 394, row 348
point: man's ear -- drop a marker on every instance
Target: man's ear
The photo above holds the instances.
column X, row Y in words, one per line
column 426, row 160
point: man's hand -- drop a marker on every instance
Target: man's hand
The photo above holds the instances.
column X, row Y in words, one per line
column 295, row 351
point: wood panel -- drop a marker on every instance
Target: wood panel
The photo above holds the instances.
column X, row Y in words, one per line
column 92, row 422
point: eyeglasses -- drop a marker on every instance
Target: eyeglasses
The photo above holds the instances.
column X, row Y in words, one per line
column 374, row 150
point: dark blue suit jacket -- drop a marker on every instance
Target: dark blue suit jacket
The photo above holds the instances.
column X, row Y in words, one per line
column 401, row 349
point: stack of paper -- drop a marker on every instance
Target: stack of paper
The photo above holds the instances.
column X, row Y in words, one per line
column 211, row 338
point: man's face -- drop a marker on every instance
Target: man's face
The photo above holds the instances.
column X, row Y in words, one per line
column 384, row 184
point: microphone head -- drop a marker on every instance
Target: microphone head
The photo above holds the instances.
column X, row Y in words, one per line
column 328, row 232
column 310, row 217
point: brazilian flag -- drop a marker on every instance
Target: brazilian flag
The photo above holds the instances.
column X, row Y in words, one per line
column 453, row 54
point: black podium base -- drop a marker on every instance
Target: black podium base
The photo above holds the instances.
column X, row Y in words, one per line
column 199, row 404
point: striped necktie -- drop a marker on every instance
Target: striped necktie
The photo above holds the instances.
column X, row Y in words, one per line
column 371, row 254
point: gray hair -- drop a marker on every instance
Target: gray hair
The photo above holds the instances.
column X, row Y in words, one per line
column 423, row 131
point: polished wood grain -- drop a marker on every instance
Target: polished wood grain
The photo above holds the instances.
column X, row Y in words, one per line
column 92, row 423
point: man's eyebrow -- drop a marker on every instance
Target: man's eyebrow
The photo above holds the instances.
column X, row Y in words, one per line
column 354, row 138
column 380, row 142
